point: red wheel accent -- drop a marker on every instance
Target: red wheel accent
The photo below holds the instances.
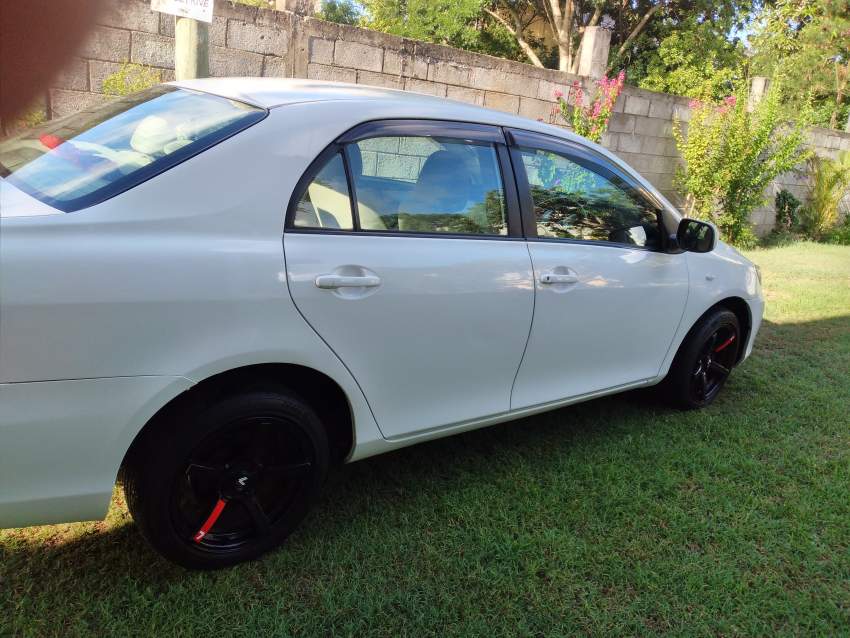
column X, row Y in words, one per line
column 725, row 344
column 213, row 517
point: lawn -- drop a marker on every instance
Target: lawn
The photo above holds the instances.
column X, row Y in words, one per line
column 613, row 517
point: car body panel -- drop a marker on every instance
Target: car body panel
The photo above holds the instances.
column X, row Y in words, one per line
column 424, row 345
column 108, row 313
column 611, row 328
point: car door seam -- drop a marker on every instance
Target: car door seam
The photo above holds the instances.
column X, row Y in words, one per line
column 530, row 325
column 318, row 334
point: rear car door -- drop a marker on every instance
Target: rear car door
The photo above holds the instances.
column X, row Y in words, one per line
column 404, row 252
column 609, row 299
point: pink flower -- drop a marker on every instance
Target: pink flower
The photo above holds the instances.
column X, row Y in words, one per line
column 559, row 93
column 730, row 100
column 694, row 104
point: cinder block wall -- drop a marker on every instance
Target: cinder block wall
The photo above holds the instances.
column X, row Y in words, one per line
column 247, row 41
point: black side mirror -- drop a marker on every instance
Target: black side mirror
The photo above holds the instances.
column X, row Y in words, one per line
column 696, row 236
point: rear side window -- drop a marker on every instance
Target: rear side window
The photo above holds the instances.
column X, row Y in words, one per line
column 88, row 157
column 428, row 185
column 326, row 203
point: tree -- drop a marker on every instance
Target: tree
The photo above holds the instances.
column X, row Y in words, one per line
column 697, row 60
column 565, row 22
column 807, row 44
column 339, row 11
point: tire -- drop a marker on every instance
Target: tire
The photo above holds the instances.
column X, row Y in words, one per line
column 217, row 483
column 704, row 361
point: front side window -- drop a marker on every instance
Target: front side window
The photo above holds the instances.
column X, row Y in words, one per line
column 88, row 157
column 428, row 185
column 574, row 201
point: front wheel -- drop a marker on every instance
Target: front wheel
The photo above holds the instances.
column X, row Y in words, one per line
column 704, row 360
column 220, row 484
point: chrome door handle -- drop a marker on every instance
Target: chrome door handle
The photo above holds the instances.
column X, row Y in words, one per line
column 347, row 281
column 558, row 278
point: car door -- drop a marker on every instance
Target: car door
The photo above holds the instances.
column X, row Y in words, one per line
column 404, row 252
column 608, row 299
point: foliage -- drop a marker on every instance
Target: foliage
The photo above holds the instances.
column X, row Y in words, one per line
column 732, row 154
column 451, row 22
column 807, row 44
column 840, row 233
column 339, row 11
column 696, row 61
column 591, row 120
column 830, row 186
column 130, row 78
column 787, row 209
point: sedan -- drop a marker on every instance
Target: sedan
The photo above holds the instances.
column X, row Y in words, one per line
column 221, row 288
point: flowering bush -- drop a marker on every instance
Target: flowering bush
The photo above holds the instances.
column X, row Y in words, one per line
column 590, row 121
column 731, row 154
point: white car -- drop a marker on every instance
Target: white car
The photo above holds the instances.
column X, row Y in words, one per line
column 223, row 287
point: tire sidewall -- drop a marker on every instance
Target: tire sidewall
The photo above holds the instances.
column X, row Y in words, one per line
column 167, row 450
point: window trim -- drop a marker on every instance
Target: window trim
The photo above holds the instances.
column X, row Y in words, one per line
column 573, row 151
column 461, row 131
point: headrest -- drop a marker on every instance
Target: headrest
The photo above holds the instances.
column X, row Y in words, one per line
column 151, row 135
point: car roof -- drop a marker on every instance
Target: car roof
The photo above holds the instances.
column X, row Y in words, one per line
column 271, row 93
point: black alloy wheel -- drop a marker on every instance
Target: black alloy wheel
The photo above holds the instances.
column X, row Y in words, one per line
column 714, row 364
column 222, row 481
column 704, row 361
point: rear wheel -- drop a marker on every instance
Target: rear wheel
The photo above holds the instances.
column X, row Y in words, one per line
column 229, row 482
column 704, row 360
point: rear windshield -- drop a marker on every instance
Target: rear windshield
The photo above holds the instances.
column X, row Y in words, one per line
column 88, row 157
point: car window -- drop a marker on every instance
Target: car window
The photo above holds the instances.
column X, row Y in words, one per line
column 326, row 203
column 428, row 184
column 579, row 201
column 87, row 157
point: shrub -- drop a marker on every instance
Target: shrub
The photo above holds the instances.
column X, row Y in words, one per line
column 830, row 183
column 787, row 211
column 840, row 234
column 590, row 121
column 731, row 155
column 130, row 78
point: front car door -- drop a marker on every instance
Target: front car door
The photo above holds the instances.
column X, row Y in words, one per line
column 404, row 252
column 608, row 299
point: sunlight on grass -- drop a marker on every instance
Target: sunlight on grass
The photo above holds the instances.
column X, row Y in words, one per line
column 615, row 517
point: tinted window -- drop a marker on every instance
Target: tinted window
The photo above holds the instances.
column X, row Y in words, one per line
column 87, row 157
column 576, row 201
column 326, row 202
column 428, row 184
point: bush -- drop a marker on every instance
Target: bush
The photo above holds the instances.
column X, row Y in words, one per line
column 130, row 78
column 829, row 187
column 732, row 154
column 840, row 234
column 787, row 211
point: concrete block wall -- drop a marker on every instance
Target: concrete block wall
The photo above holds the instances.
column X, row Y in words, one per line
column 248, row 41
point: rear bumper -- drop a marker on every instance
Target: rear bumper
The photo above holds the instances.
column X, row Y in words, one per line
column 62, row 442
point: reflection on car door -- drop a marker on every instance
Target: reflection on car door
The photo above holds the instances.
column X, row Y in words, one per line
column 608, row 302
column 418, row 287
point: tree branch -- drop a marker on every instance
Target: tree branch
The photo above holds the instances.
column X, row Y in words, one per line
column 638, row 28
column 516, row 32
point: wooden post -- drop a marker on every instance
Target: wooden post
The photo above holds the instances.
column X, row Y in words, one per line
column 191, row 49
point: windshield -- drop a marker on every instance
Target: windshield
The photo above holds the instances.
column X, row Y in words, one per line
column 88, row 157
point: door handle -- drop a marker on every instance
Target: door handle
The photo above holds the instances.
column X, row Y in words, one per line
column 347, row 281
column 558, row 278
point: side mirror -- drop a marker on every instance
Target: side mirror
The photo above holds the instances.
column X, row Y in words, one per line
column 696, row 236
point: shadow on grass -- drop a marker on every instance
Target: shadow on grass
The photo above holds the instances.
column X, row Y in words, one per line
column 414, row 477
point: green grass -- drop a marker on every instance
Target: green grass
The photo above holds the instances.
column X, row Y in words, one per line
column 615, row 517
